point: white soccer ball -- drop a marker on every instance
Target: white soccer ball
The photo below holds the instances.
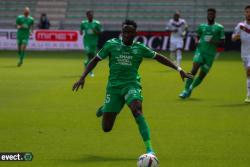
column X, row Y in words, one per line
column 147, row 160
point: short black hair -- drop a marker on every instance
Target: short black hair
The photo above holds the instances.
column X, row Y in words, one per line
column 247, row 7
column 211, row 10
column 130, row 23
column 89, row 11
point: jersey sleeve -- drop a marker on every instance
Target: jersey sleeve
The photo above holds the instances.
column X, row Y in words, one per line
column 169, row 26
column 99, row 27
column 82, row 26
column 18, row 21
column 147, row 52
column 237, row 30
column 222, row 33
column 32, row 23
column 105, row 51
column 199, row 31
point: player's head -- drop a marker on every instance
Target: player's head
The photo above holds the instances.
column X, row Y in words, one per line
column 90, row 15
column 176, row 15
column 128, row 31
column 26, row 11
column 247, row 12
column 211, row 14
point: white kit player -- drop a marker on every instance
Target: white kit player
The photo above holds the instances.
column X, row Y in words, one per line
column 178, row 28
column 242, row 32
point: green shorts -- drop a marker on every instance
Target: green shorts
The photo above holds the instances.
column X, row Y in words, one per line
column 22, row 41
column 90, row 49
column 204, row 59
column 116, row 98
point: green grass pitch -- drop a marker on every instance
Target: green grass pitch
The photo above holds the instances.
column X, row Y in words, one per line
column 40, row 114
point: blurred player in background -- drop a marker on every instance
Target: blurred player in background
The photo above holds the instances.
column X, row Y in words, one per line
column 92, row 29
column 242, row 32
column 24, row 25
column 178, row 28
column 124, row 87
column 211, row 36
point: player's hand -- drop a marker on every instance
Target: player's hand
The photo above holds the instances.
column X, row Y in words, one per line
column 185, row 75
column 236, row 37
column 19, row 26
column 78, row 84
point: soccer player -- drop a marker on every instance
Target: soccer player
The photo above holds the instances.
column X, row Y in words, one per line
column 125, row 56
column 211, row 36
column 178, row 28
column 242, row 32
column 24, row 29
column 92, row 29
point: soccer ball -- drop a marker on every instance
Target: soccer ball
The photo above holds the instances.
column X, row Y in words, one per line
column 147, row 160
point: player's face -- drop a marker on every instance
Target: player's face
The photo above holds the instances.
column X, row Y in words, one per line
column 247, row 14
column 90, row 15
column 26, row 12
column 176, row 16
column 211, row 16
column 128, row 34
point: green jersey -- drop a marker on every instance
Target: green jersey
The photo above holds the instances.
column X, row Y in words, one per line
column 26, row 23
column 209, row 33
column 124, row 61
column 89, row 28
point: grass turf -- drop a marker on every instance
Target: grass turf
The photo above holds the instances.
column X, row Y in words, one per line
column 40, row 114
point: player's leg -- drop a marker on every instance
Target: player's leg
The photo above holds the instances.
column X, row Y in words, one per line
column 205, row 68
column 133, row 99
column 108, row 121
column 178, row 56
column 90, row 52
column 172, row 50
column 179, row 51
column 186, row 92
column 19, row 51
column 136, row 108
column 247, row 67
column 22, row 51
column 197, row 62
column 197, row 80
column 112, row 106
column 248, row 85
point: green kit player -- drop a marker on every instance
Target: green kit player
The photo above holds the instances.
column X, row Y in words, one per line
column 211, row 36
column 24, row 28
column 92, row 29
column 124, row 87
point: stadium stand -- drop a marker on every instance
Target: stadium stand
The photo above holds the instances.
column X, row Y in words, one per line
column 150, row 14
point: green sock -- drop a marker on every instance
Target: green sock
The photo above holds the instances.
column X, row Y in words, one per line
column 188, row 83
column 144, row 131
column 196, row 82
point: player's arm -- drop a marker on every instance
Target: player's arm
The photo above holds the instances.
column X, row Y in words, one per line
column 167, row 62
column 32, row 28
column 18, row 23
column 170, row 27
column 219, row 43
column 98, row 29
column 236, row 34
column 185, row 29
column 81, row 28
column 89, row 68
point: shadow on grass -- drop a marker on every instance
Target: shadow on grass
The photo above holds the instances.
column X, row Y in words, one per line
column 189, row 99
column 234, row 105
column 9, row 66
column 99, row 159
